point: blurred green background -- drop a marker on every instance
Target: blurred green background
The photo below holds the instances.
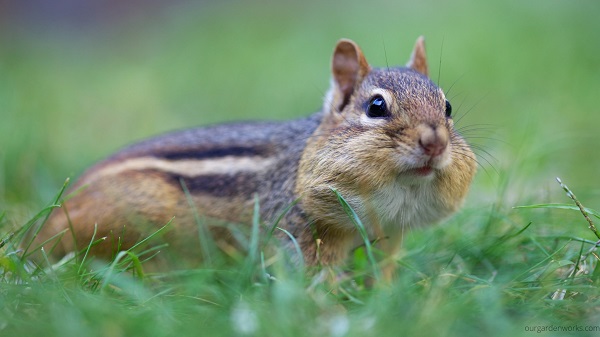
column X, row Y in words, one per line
column 78, row 80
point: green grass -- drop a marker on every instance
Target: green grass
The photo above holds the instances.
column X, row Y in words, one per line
column 498, row 277
column 522, row 77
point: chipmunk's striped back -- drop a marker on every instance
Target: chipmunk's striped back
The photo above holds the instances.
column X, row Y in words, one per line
column 134, row 192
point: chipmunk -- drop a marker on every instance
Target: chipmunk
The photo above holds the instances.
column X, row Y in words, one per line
column 384, row 139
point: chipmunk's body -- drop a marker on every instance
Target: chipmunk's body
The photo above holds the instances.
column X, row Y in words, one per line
column 222, row 167
column 384, row 140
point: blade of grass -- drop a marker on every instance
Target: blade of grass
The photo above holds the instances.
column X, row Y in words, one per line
column 111, row 268
column 254, row 239
column 89, row 247
column 55, row 277
column 504, row 238
column 6, row 240
column 132, row 289
column 296, row 246
column 146, row 252
column 361, row 230
column 253, row 249
column 149, row 237
column 278, row 220
column 204, row 236
column 571, row 195
column 56, row 238
column 43, row 213
column 71, row 227
column 577, row 263
column 549, row 257
column 560, row 206
column 137, row 265
column 153, row 249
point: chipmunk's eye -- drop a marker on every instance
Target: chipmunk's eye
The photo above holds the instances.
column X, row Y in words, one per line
column 448, row 109
column 377, row 107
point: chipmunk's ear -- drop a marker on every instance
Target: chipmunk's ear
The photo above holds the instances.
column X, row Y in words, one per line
column 349, row 67
column 418, row 59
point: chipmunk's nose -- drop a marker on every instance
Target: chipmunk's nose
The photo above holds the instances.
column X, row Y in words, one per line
column 433, row 140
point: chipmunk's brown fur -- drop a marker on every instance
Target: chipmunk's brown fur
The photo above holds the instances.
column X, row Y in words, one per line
column 405, row 168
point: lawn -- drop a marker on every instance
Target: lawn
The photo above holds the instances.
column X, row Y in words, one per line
column 77, row 84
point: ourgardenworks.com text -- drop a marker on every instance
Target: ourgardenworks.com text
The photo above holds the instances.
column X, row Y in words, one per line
column 562, row 328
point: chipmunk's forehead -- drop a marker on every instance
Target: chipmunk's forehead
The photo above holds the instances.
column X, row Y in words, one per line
column 403, row 83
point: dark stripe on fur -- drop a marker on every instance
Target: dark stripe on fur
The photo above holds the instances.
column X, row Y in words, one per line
column 218, row 185
column 235, row 151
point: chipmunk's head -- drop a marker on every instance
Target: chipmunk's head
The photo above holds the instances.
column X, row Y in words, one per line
column 388, row 130
column 396, row 114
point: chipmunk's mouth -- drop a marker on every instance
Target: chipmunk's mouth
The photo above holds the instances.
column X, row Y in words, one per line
column 425, row 168
column 418, row 174
column 422, row 171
